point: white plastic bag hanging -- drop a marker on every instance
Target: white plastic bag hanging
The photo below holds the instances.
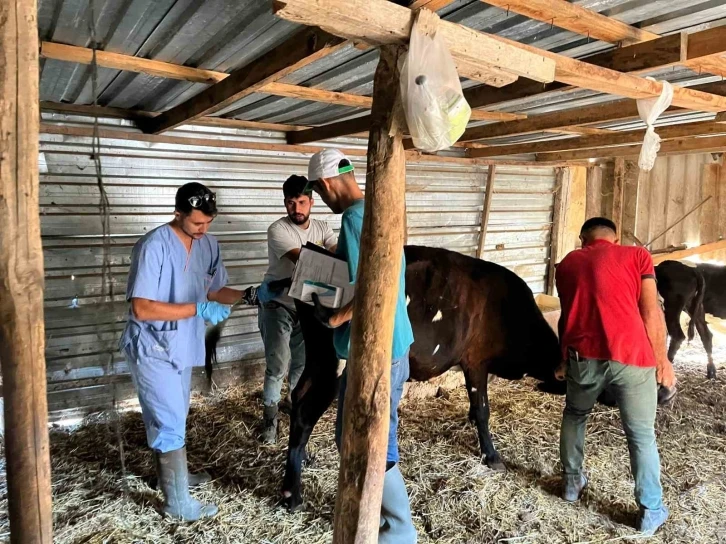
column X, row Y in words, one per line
column 649, row 110
column 436, row 111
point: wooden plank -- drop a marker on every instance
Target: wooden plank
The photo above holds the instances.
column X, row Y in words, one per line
column 658, row 202
column 643, row 212
column 486, row 210
column 303, row 48
column 711, row 144
column 22, row 329
column 117, row 61
column 674, row 206
column 722, row 202
column 568, row 216
column 333, row 130
column 618, row 195
column 574, row 18
column 690, row 252
column 582, row 130
column 630, row 202
column 562, row 188
column 433, row 5
column 706, row 43
column 379, row 22
column 317, row 95
column 593, row 199
column 607, row 189
column 367, row 403
column 692, row 196
column 710, row 211
column 132, row 115
column 611, row 138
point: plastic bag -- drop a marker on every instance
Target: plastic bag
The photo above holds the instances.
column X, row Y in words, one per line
column 649, row 109
column 436, row 111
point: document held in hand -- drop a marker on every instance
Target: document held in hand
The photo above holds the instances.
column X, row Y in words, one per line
column 319, row 271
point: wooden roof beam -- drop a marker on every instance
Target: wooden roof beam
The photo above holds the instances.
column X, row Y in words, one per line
column 711, row 144
column 84, row 55
column 612, row 138
column 574, row 18
column 379, row 22
column 298, row 51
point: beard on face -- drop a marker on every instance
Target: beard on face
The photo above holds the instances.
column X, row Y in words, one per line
column 298, row 218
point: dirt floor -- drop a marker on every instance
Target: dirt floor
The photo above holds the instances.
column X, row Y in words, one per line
column 454, row 498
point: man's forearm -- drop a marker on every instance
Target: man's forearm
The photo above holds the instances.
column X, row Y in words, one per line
column 226, row 295
column 656, row 330
column 342, row 316
column 152, row 310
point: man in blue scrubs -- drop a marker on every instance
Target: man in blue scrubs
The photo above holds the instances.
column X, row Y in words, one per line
column 176, row 282
column 331, row 175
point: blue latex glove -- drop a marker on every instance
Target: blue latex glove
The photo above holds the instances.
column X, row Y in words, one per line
column 213, row 312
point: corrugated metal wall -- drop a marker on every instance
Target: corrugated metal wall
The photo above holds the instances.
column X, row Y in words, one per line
column 444, row 203
column 675, row 185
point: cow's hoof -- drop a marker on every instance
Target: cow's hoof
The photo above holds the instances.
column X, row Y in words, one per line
column 666, row 394
column 292, row 501
column 711, row 372
column 496, row 464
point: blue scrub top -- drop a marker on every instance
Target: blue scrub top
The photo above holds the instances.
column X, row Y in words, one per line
column 162, row 270
column 349, row 249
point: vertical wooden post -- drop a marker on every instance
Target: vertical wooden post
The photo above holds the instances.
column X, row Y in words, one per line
column 618, row 194
column 630, row 203
column 367, row 400
column 22, row 332
column 487, row 208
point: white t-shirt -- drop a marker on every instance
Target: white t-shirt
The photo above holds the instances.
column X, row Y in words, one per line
column 283, row 236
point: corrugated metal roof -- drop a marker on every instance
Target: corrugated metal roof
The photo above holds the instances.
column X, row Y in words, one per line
column 228, row 34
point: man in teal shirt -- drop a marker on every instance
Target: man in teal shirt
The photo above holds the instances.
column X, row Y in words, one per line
column 331, row 175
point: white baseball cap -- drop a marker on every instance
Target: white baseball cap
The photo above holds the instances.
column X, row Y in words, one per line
column 327, row 163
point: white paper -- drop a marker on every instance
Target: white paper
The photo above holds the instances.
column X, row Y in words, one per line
column 316, row 267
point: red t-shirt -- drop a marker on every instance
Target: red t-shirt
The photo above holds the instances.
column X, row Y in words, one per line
column 599, row 288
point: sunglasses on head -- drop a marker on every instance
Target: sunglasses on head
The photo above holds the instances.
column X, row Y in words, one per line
column 196, row 200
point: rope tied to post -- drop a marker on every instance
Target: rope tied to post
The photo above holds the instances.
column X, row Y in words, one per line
column 649, row 109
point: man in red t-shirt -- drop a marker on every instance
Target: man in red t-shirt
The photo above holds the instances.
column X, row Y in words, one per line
column 613, row 336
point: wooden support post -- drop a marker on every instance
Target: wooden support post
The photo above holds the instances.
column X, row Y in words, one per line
column 22, row 336
column 485, row 211
column 567, row 217
column 618, row 195
column 367, row 400
column 630, row 203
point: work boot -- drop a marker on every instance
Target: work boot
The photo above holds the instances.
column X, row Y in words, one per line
column 269, row 425
column 572, row 487
column 195, row 478
column 171, row 468
column 396, row 525
column 650, row 520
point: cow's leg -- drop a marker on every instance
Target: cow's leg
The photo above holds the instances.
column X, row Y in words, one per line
column 310, row 399
column 476, row 384
column 707, row 338
column 673, row 311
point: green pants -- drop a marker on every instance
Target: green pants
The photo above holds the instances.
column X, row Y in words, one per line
column 636, row 393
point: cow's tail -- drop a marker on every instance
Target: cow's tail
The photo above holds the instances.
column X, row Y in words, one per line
column 697, row 304
column 211, row 340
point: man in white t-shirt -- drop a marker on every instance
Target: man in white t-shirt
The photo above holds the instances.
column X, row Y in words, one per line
column 279, row 326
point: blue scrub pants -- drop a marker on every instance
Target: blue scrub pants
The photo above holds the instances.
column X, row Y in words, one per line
column 399, row 375
column 163, row 391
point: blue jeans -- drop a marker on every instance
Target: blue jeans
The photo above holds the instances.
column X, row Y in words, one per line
column 284, row 349
column 636, row 393
column 399, row 376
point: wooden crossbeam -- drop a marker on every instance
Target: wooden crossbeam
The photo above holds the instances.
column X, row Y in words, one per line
column 379, row 22
column 135, row 115
column 611, row 138
column 581, row 130
column 300, row 50
column 703, row 144
column 689, row 252
column 433, row 5
column 611, row 111
column 574, row 18
column 84, row 55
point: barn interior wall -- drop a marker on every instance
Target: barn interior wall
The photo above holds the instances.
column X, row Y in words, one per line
column 86, row 371
column 655, row 200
